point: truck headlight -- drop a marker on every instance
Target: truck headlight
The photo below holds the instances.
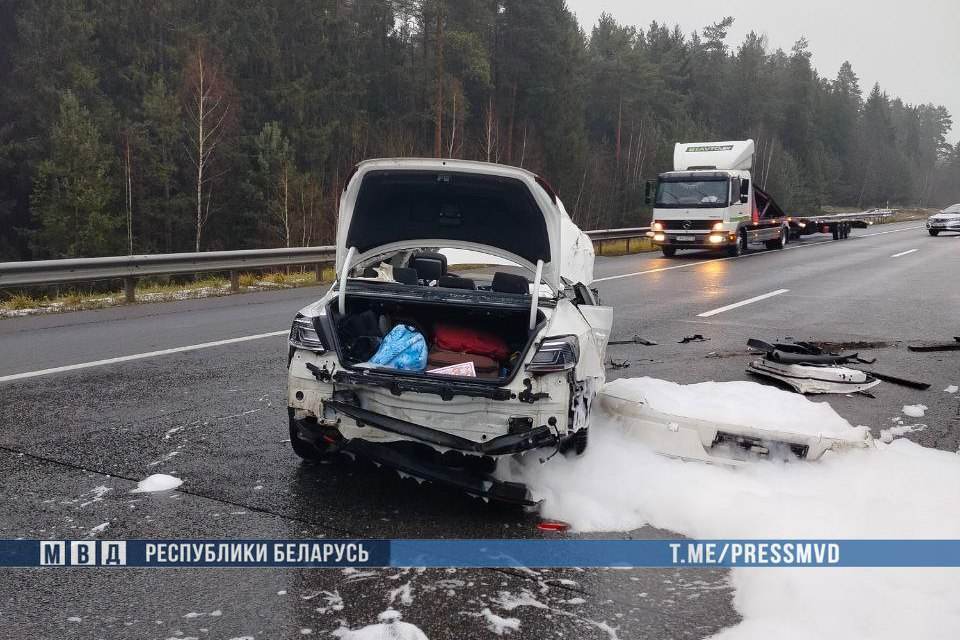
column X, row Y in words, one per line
column 555, row 354
column 718, row 226
column 304, row 335
column 657, row 226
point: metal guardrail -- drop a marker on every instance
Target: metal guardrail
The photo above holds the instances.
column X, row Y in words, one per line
column 617, row 234
column 129, row 268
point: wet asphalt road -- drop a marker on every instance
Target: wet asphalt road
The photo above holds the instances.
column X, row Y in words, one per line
column 73, row 444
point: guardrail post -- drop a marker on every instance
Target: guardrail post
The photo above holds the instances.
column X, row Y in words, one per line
column 234, row 281
column 130, row 290
column 319, row 271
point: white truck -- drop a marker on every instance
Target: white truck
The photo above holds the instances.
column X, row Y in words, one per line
column 709, row 201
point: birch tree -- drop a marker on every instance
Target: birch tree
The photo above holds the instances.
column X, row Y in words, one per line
column 207, row 107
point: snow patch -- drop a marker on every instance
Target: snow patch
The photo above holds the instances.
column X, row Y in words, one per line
column 74, row 619
column 887, row 435
column 899, row 490
column 404, row 592
column 97, row 494
column 914, row 410
column 100, row 528
column 499, row 625
column 952, row 389
column 509, row 601
column 389, row 626
column 157, row 482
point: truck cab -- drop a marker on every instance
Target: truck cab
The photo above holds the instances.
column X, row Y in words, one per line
column 709, row 201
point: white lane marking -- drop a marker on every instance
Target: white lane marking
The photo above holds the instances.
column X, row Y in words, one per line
column 713, row 312
column 139, row 356
column 746, row 255
column 902, row 253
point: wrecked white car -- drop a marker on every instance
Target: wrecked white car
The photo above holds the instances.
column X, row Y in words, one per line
column 946, row 220
column 439, row 371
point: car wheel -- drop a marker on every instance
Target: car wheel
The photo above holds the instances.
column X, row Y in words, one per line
column 669, row 252
column 933, row 232
column 310, row 451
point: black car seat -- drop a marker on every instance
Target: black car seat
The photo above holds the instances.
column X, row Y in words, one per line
column 509, row 283
column 456, row 282
column 405, row 275
column 429, row 265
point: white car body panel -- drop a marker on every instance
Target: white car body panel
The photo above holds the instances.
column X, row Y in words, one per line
column 571, row 249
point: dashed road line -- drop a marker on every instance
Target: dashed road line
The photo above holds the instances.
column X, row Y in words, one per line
column 902, row 253
column 713, row 312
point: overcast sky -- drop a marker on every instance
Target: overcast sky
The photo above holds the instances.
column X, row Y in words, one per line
column 912, row 48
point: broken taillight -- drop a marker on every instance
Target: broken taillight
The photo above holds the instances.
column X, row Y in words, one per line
column 555, row 354
column 552, row 525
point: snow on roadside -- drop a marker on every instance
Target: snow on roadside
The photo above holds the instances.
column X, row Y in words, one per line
column 157, row 482
column 897, row 490
column 952, row 389
column 389, row 626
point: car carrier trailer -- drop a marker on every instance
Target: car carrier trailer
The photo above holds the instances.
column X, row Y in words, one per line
column 838, row 225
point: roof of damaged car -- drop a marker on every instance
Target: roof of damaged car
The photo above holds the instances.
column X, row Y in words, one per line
column 430, row 202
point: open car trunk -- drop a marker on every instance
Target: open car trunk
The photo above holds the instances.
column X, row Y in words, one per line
column 490, row 331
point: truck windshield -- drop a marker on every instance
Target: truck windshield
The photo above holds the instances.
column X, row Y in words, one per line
column 692, row 193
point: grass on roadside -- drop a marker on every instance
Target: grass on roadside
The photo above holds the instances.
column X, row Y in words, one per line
column 154, row 291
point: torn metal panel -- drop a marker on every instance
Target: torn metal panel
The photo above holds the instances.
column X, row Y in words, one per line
column 814, row 378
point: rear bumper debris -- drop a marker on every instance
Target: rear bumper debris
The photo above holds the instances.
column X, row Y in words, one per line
column 506, row 444
column 406, row 461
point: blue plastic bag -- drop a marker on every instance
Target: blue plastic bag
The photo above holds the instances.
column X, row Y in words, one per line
column 403, row 348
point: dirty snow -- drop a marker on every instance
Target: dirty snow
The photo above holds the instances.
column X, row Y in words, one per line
column 499, row 625
column 738, row 403
column 887, row 435
column 914, row 410
column 389, row 626
column 897, row 490
column 100, row 528
column 952, row 389
column 404, row 592
column 157, row 482
column 97, row 494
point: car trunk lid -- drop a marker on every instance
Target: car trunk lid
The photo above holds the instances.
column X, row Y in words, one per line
column 390, row 205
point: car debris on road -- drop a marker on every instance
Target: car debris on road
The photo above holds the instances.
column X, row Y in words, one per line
column 807, row 369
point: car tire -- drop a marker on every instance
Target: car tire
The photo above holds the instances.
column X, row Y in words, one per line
column 668, row 252
column 309, row 451
column 933, row 232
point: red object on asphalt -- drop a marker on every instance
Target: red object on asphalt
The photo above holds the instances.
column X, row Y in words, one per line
column 552, row 525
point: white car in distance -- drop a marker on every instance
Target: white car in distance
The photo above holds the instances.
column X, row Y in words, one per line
column 946, row 220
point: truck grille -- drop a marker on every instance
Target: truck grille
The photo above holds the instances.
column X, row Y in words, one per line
column 687, row 225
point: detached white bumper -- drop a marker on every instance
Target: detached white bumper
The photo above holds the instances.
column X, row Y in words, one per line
column 692, row 439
